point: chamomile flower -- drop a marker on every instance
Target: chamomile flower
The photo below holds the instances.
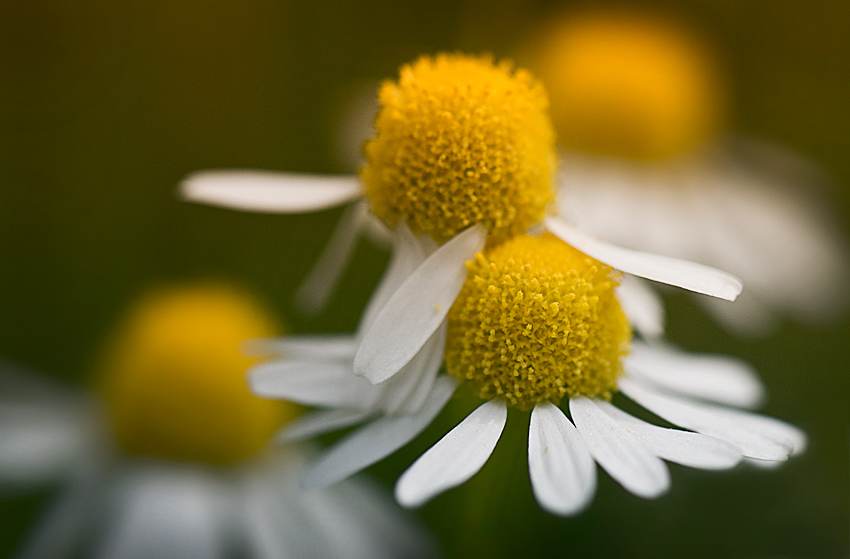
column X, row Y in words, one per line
column 538, row 323
column 535, row 322
column 174, row 463
column 641, row 110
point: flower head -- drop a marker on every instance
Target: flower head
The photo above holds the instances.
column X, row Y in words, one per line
column 535, row 321
column 460, row 140
column 173, row 379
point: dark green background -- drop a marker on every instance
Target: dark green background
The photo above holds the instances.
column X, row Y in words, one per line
column 105, row 105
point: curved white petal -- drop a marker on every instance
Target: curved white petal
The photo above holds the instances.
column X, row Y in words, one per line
column 269, row 192
column 718, row 378
column 683, row 447
column 642, row 305
column 417, row 308
column 312, row 383
column 408, row 389
column 680, row 273
column 625, row 459
column 455, row 458
column 320, row 283
column 377, row 440
column 755, row 436
column 408, row 254
column 319, row 347
column 319, row 422
column 562, row 471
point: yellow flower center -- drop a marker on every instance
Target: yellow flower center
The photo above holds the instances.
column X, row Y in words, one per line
column 174, row 379
column 630, row 86
column 537, row 320
column 461, row 141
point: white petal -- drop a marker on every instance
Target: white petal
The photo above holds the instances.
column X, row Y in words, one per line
column 718, row 378
column 563, row 473
column 642, row 305
column 377, row 440
column 319, row 422
column 166, row 514
column 265, row 191
column 312, row 383
column 408, row 254
column 407, row 390
column 455, row 458
column 319, row 347
column 683, row 447
column 672, row 271
column 755, row 436
column 42, row 441
column 323, row 278
column 625, row 459
column 417, row 308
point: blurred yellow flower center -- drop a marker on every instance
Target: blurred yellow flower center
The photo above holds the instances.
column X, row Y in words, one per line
column 630, row 86
column 460, row 140
column 536, row 321
column 174, row 377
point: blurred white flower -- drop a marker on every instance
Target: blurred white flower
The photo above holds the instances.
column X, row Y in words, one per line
column 640, row 107
column 175, row 465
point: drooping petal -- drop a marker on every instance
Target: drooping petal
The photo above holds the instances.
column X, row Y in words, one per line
column 269, row 192
column 315, row 383
column 455, row 458
column 318, row 422
column 680, row 273
column 407, row 390
column 377, row 440
column 625, row 459
column 319, row 347
column 408, row 254
column 417, row 308
column 562, row 471
column 683, row 447
column 320, row 283
column 755, row 436
column 718, row 378
column 642, row 305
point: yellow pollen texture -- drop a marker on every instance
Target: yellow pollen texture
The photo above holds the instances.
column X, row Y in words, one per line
column 535, row 321
column 460, row 140
column 630, row 85
column 173, row 377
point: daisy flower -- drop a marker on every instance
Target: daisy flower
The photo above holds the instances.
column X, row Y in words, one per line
column 174, row 464
column 535, row 321
column 640, row 106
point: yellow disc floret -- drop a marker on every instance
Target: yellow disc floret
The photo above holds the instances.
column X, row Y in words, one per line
column 536, row 321
column 174, row 377
column 630, row 85
column 458, row 141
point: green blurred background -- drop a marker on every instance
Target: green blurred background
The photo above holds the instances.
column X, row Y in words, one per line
column 105, row 106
